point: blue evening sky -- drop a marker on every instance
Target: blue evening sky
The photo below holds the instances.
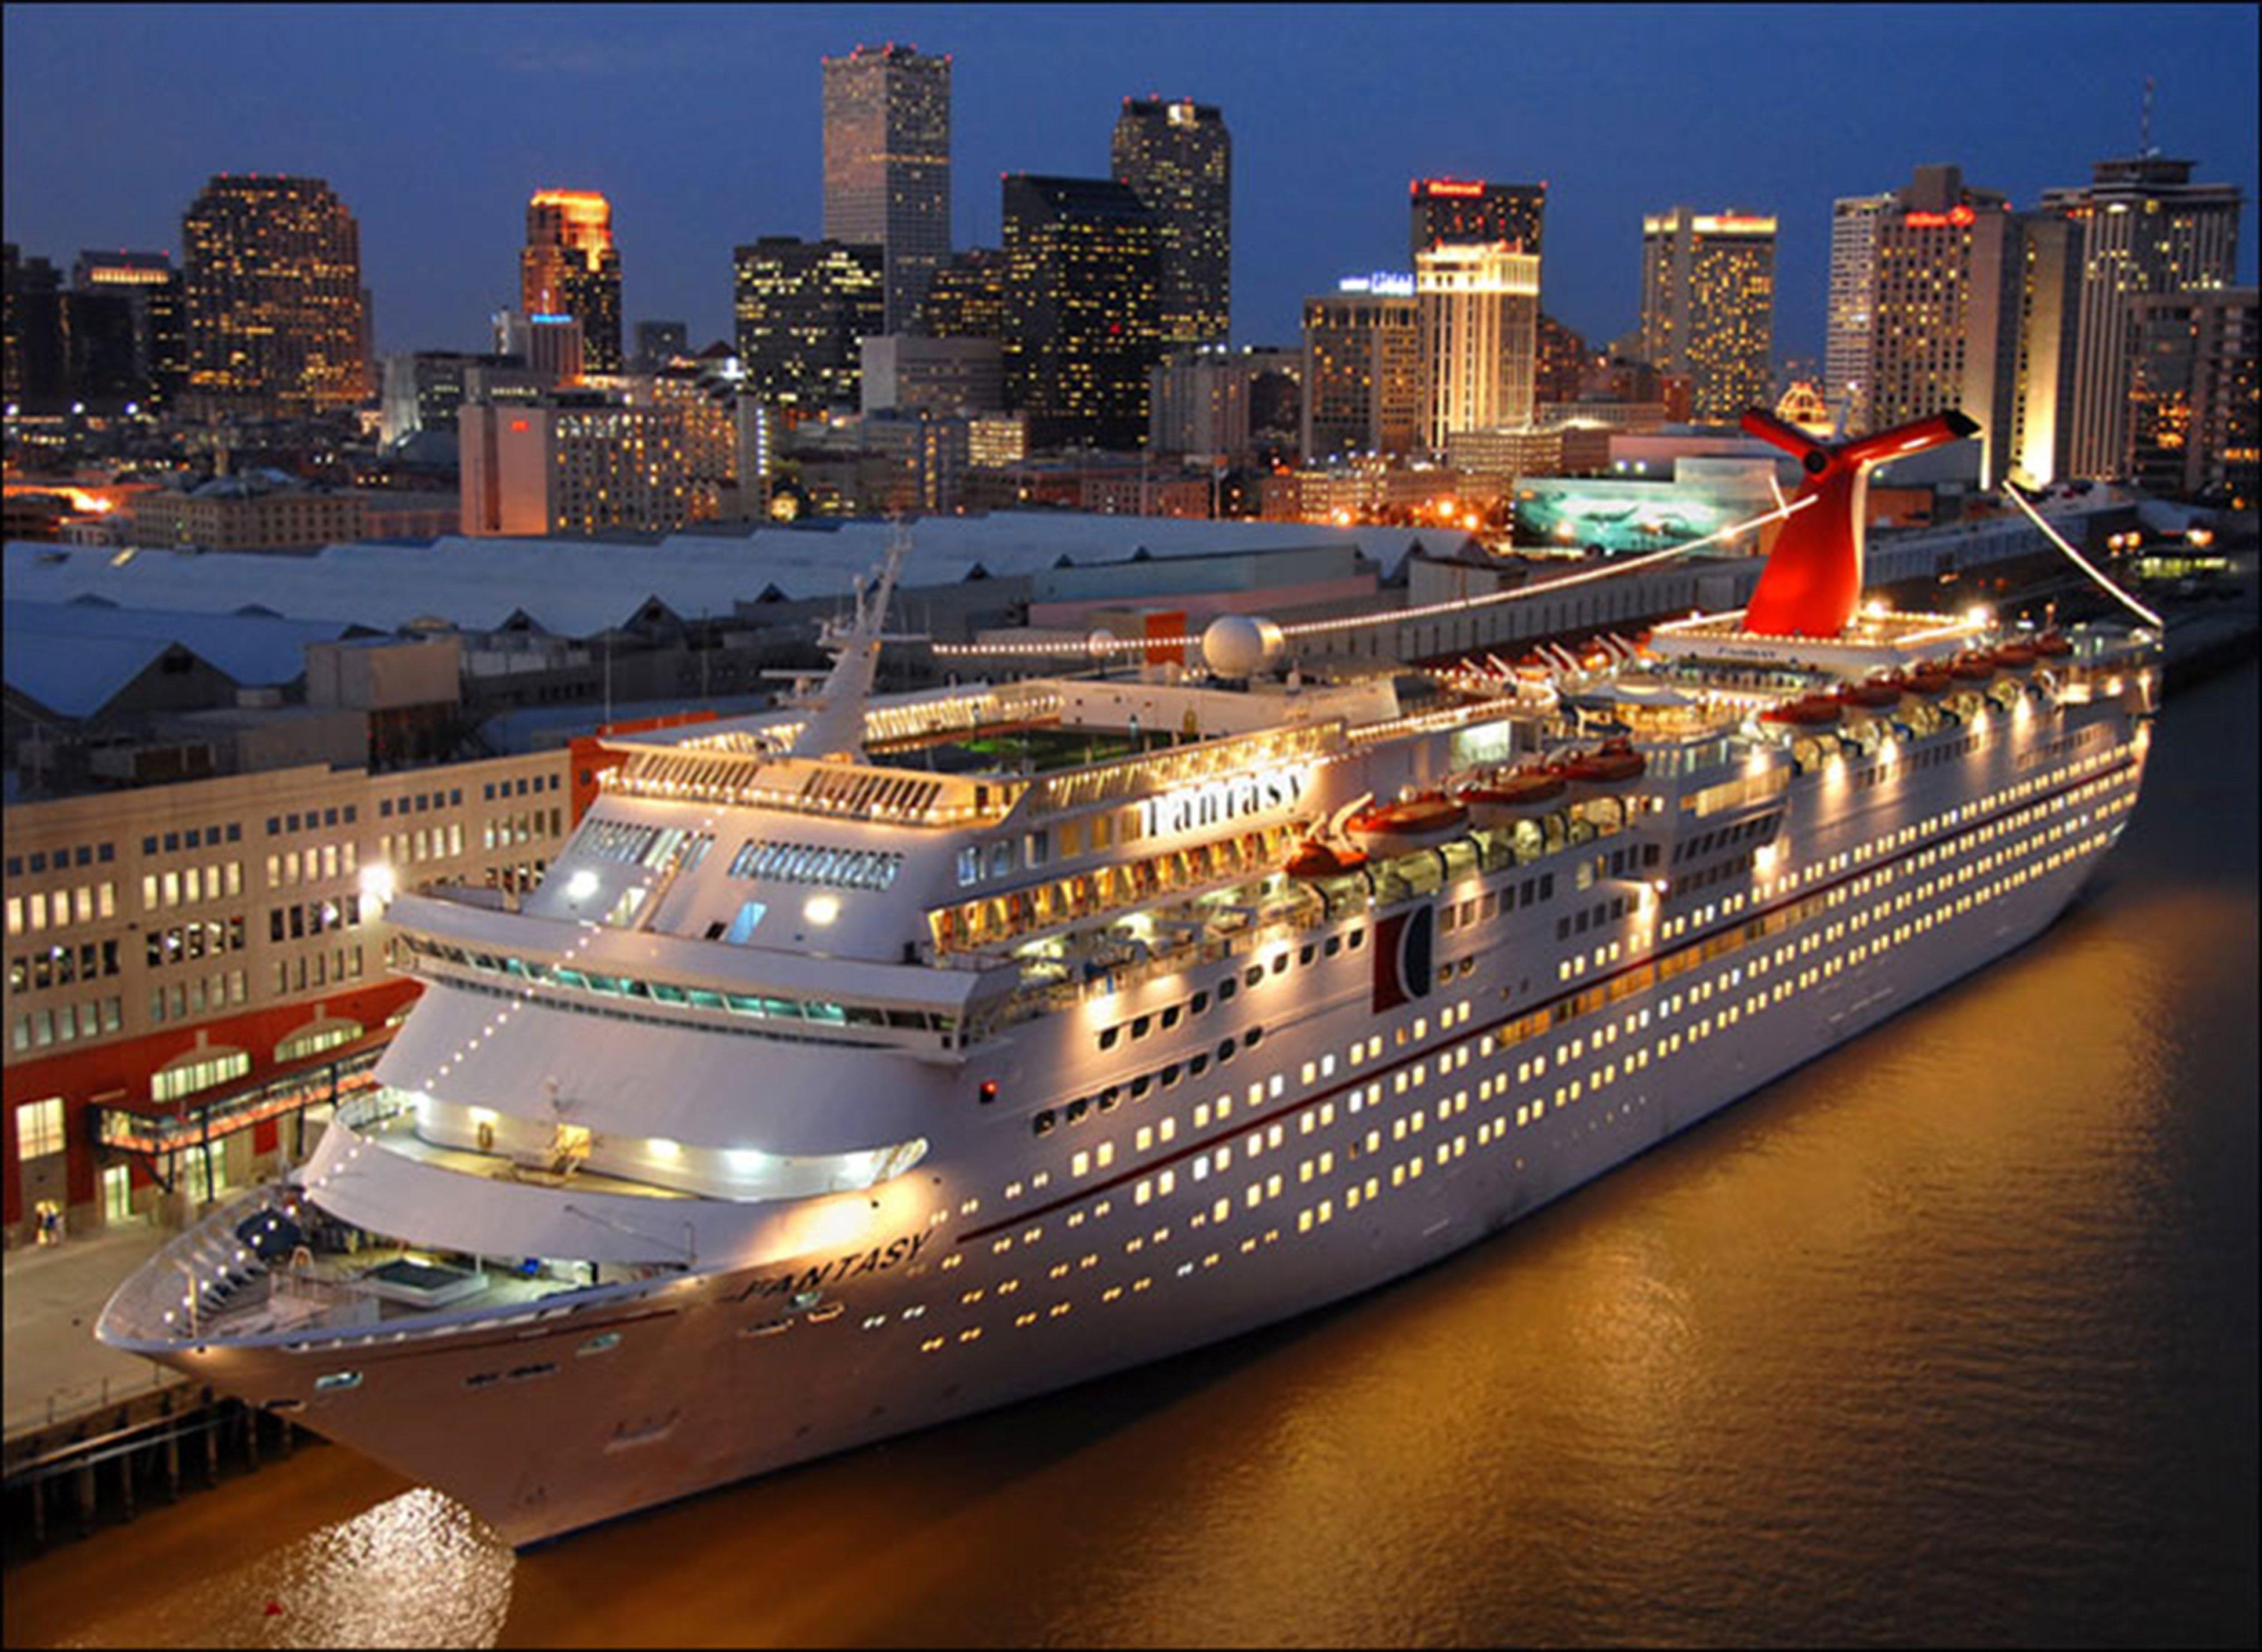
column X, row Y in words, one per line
column 701, row 124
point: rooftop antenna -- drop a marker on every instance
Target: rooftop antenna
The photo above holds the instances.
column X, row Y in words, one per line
column 836, row 721
column 2145, row 128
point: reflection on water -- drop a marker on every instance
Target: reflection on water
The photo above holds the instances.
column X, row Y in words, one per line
column 416, row 1569
column 1949, row 1336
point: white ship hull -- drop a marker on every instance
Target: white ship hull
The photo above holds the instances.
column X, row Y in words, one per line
column 1020, row 1274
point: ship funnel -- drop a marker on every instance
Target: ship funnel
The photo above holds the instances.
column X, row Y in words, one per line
column 1813, row 581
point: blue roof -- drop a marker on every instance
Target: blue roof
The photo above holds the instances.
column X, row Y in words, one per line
column 73, row 657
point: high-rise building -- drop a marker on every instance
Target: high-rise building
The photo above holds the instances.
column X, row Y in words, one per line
column 579, row 462
column 2048, row 282
column 1563, row 363
column 1945, row 327
column 2192, row 393
column 887, row 166
column 1362, row 369
column 966, row 299
column 1708, row 307
column 150, row 287
column 1853, row 302
column 1224, row 405
column 1082, row 308
column 904, row 373
column 1463, row 213
column 278, row 321
column 552, row 345
column 803, row 310
column 2145, row 227
column 1177, row 159
column 37, row 351
column 570, row 267
column 1479, row 313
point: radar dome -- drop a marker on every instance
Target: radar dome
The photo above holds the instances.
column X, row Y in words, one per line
column 1241, row 645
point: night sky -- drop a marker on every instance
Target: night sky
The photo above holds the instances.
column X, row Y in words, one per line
column 703, row 125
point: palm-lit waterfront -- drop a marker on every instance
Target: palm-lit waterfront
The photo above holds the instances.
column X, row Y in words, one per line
column 1950, row 1335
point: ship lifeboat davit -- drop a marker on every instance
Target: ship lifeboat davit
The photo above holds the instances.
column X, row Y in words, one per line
column 1617, row 764
column 1513, row 797
column 1403, row 828
column 1813, row 711
column 1315, row 859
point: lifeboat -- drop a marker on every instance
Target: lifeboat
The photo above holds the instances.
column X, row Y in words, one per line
column 1878, row 693
column 2013, row 657
column 1617, row 764
column 1512, row 797
column 1814, row 711
column 1403, row 828
column 1972, row 668
column 1931, row 680
column 1316, row 860
column 2050, row 645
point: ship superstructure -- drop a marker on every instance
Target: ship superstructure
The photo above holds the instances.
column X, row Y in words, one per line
column 1007, row 1035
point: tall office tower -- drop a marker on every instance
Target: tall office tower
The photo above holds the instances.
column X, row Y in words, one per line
column 1945, row 333
column 552, row 347
column 803, row 309
column 2192, row 405
column 1460, row 212
column 1177, row 159
column 1853, row 306
column 1708, row 307
column 887, row 166
column 966, row 299
column 570, row 267
column 1563, row 362
column 2048, row 288
column 2145, row 227
column 1224, row 405
column 1362, row 370
column 278, row 321
column 38, row 376
column 660, row 342
column 149, row 287
column 1083, row 306
column 1479, row 313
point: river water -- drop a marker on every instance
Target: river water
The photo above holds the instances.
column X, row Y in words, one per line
column 1947, row 1337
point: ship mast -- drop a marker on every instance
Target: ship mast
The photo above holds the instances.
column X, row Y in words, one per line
column 835, row 728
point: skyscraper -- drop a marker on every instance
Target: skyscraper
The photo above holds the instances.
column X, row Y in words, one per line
column 278, row 320
column 1708, row 307
column 1853, row 302
column 570, row 267
column 2145, row 227
column 1362, row 369
column 967, row 297
column 803, row 309
column 1082, row 310
column 1177, row 159
column 1463, row 213
column 2193, row 426
column 887, row 166
column 149, row 287
column 1946, row 310
column 1479, row 313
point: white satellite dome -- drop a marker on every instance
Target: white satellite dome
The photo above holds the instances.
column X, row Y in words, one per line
column 1241, row 645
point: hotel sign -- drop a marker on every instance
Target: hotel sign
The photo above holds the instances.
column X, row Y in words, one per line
column 1215, row 802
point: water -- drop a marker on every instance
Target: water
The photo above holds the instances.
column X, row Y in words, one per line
column 1949, row 1337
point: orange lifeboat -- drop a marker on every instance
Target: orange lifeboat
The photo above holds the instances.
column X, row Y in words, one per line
column 1878, row 693
column 1972, row 668
column 1617, row 764
column 1401, row 829
column 1316, row 860
column 1512, row 797
column 2050, row 645
column 2013, row 657
column 1931, row 679
column 1814, row 711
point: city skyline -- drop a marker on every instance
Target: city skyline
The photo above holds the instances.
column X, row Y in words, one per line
column 1329, row 125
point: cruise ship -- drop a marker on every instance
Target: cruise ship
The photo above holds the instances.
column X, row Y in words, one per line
column 864, row 1065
